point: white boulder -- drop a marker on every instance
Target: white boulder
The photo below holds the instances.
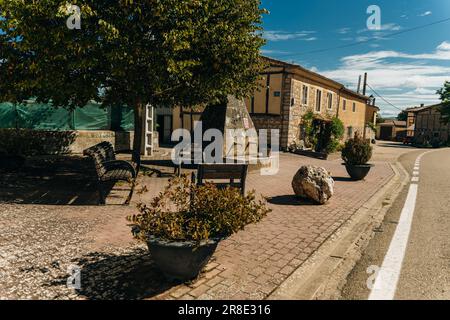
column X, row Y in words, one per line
column 314, row 183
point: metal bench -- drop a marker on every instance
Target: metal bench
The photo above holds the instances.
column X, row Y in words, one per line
column 230, row 172
column 109, row 169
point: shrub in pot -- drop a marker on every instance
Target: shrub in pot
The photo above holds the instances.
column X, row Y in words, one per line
column 183, row 225
column 356, row 153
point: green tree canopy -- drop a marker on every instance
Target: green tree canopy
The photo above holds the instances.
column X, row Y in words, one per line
column 162, row 52
column 402, row 116
column 444, row 93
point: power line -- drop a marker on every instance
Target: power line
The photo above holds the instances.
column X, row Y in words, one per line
column 382, row 98
column 365, row 41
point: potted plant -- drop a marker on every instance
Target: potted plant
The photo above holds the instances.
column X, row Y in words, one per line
column 356, row 153
column 183, row 225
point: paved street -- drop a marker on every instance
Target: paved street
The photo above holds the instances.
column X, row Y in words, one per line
column 425, row 272
column 39, row 242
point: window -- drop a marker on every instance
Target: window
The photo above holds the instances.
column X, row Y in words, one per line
column 350, row 132
column 305, row 95
column 330, row 101
column 344, row 105
column 318, row 100
column 354, row 107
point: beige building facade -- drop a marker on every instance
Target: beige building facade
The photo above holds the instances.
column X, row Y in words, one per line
column 287, row 92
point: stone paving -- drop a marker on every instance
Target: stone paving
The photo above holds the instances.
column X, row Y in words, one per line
column 39, row 242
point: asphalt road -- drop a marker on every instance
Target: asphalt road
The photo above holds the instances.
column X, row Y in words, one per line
column 425, row 273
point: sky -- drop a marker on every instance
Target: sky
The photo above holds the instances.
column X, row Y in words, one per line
column 405, row 69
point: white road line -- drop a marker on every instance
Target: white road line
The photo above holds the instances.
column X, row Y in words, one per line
column 387, row 278
column 386, row 282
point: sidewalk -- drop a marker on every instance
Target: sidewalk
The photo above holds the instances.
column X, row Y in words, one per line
column 38, row 243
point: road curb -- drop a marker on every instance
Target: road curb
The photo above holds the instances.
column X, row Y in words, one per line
column 325, row 272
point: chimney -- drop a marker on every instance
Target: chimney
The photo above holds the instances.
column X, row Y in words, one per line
column 422, row 105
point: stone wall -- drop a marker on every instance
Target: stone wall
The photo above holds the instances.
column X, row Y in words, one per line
column 269, row 122
column 121, row 140
column 298, row 109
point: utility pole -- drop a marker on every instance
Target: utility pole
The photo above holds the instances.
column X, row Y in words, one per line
column 365, row 84
column 359, row 85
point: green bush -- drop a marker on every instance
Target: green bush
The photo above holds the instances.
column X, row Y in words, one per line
column 187, row 212
column 337, row 130
column 357, row 151
column 27, row 143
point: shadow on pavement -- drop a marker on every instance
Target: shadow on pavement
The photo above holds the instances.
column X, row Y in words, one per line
column 57, row 180
column 112, row 277
column 388, row 144
column 290, row 200
column 343, row 179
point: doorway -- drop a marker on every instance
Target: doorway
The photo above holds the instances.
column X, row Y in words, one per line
column 164, row 128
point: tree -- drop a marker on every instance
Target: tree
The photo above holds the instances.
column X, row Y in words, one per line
column 402, row 116
column 161, row 52
column 444, row 93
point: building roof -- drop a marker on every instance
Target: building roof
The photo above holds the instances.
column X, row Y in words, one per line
column 421, row 108
column 298, row 67
column 393, row 123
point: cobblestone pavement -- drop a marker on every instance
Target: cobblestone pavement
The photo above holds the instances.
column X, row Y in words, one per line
column 38, row 243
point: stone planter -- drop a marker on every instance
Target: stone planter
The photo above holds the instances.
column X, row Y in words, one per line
column 358, row 172
column 181, row 260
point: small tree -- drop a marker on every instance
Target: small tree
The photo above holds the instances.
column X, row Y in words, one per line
column 444, row 93
column 158, row 52
column 402, row 116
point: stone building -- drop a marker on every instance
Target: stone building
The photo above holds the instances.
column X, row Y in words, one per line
column 426, row 125
column 288, row 91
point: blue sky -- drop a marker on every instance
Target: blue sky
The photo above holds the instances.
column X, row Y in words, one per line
column 406, row 69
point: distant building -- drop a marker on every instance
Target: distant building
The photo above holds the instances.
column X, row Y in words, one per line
column 425, row 124
column 392, row 130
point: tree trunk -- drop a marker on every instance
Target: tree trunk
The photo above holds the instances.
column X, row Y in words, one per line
column 137, row 142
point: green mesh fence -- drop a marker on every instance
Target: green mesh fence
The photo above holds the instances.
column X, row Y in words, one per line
column 44, row 117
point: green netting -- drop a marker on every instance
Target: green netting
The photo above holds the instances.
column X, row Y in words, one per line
column 127, row 119
column 7, row 116
column 44, row 117
column 92, row 117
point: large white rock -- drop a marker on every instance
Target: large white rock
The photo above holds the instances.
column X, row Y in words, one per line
column 313, row 183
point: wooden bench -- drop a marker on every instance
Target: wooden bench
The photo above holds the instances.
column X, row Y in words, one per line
column 109, row 169
column 229, row 172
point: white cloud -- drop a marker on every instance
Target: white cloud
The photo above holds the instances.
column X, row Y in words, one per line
column 343, row 30
column 426, row 13
column 274, row 35
column 268, row 52
column 384, row 27
column 403, row 79
column 444, row 46
column 442, row 53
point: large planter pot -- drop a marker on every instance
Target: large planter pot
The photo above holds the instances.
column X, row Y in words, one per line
column 181, row 260
column 9, row 162
column 358, row 172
